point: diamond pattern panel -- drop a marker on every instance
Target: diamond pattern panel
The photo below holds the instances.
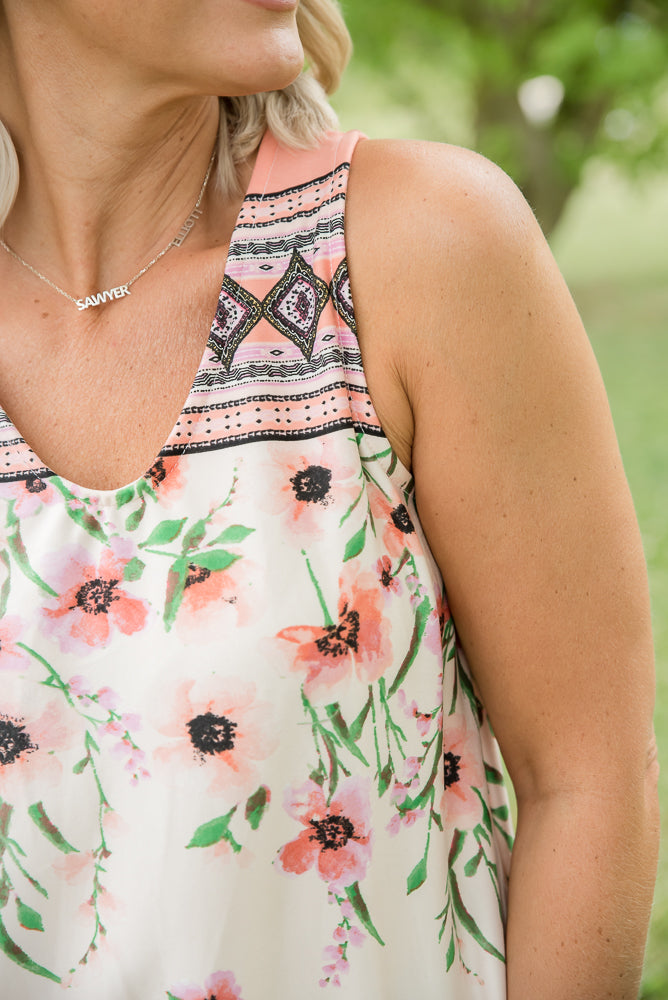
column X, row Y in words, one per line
column 237, row 313
column 342, row 296
column 295, row 303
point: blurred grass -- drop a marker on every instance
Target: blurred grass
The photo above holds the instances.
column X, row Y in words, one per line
column 612, row 247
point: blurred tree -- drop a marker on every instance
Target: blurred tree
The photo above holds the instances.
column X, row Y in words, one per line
column 546, row 84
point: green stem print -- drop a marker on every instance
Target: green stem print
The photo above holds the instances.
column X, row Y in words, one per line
column 28, row 918
column 376, row 738
column 98, row 712
column 456, row 917
column 19, row 554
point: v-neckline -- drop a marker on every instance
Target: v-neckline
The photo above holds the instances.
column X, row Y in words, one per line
column 32, row 464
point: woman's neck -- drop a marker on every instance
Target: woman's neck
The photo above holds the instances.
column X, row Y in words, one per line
column 110, row 167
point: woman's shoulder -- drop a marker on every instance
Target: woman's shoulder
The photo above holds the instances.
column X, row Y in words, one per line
column 446, row 260
column 438, row 199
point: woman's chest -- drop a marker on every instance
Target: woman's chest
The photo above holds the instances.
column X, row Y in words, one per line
column 97, row 406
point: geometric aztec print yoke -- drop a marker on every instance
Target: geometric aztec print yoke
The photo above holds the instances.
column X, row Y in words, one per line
column 293, row 306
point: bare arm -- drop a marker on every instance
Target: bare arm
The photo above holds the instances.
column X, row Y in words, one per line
column 485, row 381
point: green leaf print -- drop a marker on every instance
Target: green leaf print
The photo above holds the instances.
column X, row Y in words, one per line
column 421, row 616
column 334, row 763
column 76, row 510
column 216, row 559
column 124, row 496
column 419, row 874
column 134, row 519
column 18, row 550
column 385, row 778
column 357, row 726
column 450, row 956
column 256, row 806
column 361, row 909
column 133, row 570
column 456, row 847
column 343, row 733
column 377, row 457
column 214, row 831
column 164, row 533
column 27, row 917
column 14, row 851
column 467, row 921
column 17, row 955
column 52, row 833
column 494, row 777
column 472, row 865
column 176, row 582
column 486, row 816
column 194, row 535
column 467, row 688
column 234, row 535
column 502, row 813
column 507, row 836
column 355, row 544
column 7, row 583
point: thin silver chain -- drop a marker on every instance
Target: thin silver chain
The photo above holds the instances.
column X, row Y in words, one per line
column 188, row 224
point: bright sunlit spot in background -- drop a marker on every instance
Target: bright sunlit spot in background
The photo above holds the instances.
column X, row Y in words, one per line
column 540, row 99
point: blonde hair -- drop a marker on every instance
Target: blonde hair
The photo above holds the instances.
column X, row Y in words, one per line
column 297, row 115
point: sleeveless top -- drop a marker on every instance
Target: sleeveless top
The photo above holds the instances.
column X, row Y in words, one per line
column 241, row 753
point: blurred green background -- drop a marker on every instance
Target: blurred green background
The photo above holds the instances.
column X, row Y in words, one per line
column 571, row 98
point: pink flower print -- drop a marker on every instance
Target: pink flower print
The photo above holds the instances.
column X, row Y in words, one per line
column 91, row 602
column 31, row 494
column 394, row 825
column 401, row 790
column 386, row 577
column 412, row 767
column 395, row 521
column 127, row 751
column 355, row 937
column 33, row 729
column 218, row 728
column 336, row 839
column 423, row 720
column 12, row 656
column 307, row 484
column 76, row 869
column 333, row 981
column 435, row 626
column 219, row 986
column 166, row 477
column 407, row 818
column 79, row 687
column 208, row 594
column 358, row 642
column 462, row 773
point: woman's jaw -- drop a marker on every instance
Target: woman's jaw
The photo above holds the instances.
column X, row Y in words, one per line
column 112, row 109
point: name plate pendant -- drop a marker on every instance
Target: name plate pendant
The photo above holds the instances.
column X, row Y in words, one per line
column 100, row 298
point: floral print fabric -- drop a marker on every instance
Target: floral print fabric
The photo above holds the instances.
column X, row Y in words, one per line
column 241, row 753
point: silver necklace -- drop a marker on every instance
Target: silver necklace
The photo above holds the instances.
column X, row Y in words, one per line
column 120, row 291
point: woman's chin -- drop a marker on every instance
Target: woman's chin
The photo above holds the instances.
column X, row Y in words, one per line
column 281, row 68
